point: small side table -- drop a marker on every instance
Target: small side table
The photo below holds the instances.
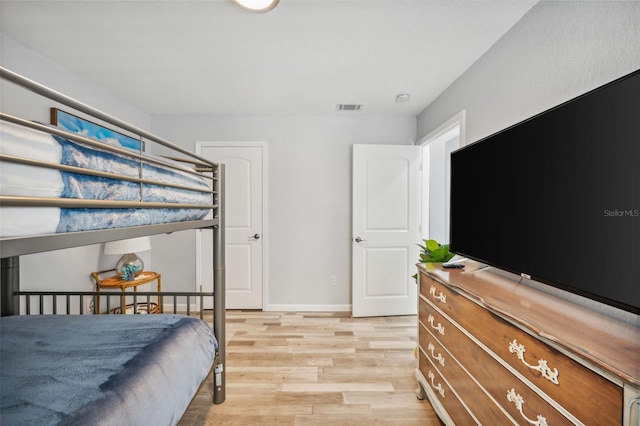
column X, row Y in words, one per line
column 114, row 281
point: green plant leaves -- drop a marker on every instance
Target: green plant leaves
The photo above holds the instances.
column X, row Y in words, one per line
column 432, row 245
column 432, row 251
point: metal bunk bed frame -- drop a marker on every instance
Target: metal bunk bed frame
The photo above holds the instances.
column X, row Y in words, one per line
column 12, row 248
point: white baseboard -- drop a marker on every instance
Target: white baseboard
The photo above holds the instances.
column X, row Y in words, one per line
column 307, row 308
column 182, row 307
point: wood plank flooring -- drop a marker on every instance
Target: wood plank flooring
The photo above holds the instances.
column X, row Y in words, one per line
column 316, row 369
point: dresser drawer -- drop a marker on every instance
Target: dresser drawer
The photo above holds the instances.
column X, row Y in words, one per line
column 563, row 379
column 481, row 405
column 494, row 378
column 433, row 380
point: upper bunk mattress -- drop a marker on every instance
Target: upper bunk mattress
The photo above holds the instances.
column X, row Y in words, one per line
column 27, row 180
column 101, row 369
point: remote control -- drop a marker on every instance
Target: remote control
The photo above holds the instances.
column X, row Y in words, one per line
column 452, row 265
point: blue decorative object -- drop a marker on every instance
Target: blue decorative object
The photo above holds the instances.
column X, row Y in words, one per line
column 129, row 271
column 130, row 264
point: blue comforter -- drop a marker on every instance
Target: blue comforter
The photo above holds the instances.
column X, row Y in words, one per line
column 101, row 369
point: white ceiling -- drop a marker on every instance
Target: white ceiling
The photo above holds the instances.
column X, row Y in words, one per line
column 209, row 57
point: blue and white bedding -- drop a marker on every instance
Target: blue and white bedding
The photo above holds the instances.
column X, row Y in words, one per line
column 24, row 180
column 101, row 369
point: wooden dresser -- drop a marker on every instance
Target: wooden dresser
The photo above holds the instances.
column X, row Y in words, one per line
column 494, row 351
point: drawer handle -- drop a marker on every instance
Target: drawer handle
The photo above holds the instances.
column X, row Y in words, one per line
column 439, row 328
column 439, row 357
column 512, row 396
column 441, row 297
column 542, row 367
column 634, row 401
column 439, row 387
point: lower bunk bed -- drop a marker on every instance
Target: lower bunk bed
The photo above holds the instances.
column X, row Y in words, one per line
column 102, row 369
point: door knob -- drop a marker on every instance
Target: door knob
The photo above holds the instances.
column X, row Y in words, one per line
column 255, row 236
column 358, row 239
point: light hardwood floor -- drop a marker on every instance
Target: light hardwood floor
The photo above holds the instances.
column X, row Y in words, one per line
column 316, row 369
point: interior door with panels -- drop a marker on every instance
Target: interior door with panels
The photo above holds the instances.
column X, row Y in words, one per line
column 386, row 191
column 244, row 227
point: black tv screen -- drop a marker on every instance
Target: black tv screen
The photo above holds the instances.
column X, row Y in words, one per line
column 557, row 197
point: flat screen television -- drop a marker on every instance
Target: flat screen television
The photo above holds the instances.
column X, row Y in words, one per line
column 556, row 198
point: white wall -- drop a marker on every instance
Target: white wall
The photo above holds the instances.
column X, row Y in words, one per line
column 558, row 50
column 63, row 269
column 309, row 216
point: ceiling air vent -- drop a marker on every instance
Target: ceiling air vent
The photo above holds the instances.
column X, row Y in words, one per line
column 348, row 107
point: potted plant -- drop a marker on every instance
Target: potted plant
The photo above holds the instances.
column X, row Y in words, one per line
column 432, row 251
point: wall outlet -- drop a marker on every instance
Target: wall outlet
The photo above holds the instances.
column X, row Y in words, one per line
column 333, row 280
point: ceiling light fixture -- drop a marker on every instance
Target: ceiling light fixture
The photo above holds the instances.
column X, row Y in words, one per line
column 257, row 5
column 403, row 97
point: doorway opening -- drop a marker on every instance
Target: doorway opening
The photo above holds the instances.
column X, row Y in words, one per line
column 435, row 151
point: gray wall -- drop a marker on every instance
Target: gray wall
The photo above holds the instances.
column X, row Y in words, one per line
column 309, row 190
column 558, row 50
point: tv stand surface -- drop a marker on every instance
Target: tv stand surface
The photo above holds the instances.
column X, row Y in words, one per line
column 501, row 351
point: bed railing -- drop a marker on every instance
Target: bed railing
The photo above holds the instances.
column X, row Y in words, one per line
column 201, row 164
column 96, row 113
column 84, row 302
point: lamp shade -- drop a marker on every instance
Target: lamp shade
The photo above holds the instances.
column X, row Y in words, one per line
column 130, row 245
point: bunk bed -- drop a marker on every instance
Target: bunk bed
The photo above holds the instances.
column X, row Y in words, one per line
column 70, row 367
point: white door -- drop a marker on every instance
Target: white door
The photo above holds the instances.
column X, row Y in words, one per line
column 386, row 193
column 244, row 227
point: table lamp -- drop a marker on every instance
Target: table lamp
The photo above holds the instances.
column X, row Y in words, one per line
column 130, row 264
